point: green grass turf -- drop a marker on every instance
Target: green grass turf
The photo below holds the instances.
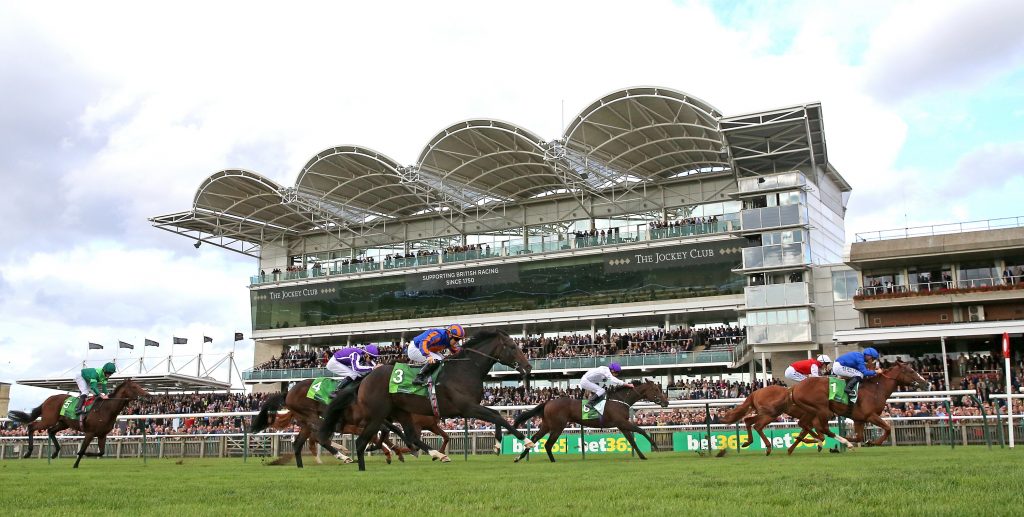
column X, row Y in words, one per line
column 876, row 481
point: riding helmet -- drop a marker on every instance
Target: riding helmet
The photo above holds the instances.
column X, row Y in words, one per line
column 372, row 350
column 615, row 367
column 871, row 352
column 456, row 330
column 109, row 368
column 824, row 359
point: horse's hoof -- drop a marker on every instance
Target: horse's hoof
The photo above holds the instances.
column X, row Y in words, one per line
column 528, row 444
column 746, row 444
column 388, row 459
column 445, row 458
column 346, row 461
column 497, row 448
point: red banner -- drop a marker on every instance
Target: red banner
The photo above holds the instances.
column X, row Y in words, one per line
column 1006, row 345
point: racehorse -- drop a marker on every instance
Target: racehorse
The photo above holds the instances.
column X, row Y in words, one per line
column 459, row 389
column 811, row 396
column 769, row 403
column 98, row 422
column 306, row 412
column 557, row 413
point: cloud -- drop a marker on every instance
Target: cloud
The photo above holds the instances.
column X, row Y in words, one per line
column 986, row 168
column 929, row 48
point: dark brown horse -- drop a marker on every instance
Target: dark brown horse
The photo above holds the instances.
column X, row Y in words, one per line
column 459, row 390
column 284, row 419
column 306, row 412
column 811, row 396
column 557, row 413
column 98, row 422
column 768, row 403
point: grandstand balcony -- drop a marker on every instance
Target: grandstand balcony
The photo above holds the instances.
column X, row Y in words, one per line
column 960, row 292
column 717, row 356
column 784, row 181
column 777, row 295
column 552, row 244
column 756, row 220
column 774, row 256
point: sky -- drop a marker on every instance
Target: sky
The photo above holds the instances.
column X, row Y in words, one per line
column 116, row 112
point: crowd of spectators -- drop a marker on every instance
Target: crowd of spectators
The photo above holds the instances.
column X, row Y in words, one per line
column 649, row 341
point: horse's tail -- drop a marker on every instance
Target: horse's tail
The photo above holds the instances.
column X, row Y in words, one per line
column 529, row 414
column 24, row 418
column 263, row 419
column 735, row 414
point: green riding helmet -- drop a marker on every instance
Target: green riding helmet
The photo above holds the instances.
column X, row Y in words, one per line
column 109, row 368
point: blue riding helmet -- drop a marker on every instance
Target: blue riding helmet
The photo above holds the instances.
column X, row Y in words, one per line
column 372, row 350
column 871, row 352
column 614, row 367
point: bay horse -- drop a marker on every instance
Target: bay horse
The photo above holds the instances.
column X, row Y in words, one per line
column 97, row 424
column 459, row 390
column 306, row 413
column 811, row 396
column 284, row 419
column 557, row 413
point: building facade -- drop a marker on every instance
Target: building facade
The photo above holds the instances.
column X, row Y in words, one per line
column 652, row 211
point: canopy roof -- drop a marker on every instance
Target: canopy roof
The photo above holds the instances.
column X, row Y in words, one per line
column 153, row 382
column 629, row 137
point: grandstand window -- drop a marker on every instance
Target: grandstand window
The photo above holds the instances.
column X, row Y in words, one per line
column 844, row 285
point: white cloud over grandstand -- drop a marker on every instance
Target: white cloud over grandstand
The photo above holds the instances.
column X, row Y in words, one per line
column 118, row 112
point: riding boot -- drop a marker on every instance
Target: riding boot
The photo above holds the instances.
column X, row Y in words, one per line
column 79, row 407
column 594, row 399
column 341, row 385
column 421, row 378
column 851, row 388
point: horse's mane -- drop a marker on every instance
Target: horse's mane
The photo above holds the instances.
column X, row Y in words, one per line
column 478, row 338
column 122, row 385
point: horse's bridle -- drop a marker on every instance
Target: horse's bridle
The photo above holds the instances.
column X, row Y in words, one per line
column 489, row 356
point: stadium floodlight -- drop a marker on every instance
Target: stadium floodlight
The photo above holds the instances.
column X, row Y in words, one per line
column 197, row 244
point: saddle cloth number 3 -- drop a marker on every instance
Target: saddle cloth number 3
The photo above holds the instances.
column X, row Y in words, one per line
column 398, row 377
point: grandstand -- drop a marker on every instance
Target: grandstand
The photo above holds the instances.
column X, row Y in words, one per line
column 653, row 210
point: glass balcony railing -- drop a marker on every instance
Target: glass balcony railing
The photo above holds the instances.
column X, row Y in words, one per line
column 725, row 223
column 559, row 363
column 773, row 217
column 776, row 255
column 773, row 182
column 776, row 295
column 945, row 287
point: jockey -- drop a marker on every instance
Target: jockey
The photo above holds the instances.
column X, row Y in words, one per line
column 592, row 379
column 801, row 370
column 427, row 348
column 93, row 381
column 351, row 364
column 853, row 365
